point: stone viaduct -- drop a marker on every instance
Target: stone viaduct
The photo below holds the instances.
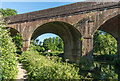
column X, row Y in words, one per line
column 74, row 23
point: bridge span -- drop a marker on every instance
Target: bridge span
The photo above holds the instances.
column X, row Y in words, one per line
column 74, row 23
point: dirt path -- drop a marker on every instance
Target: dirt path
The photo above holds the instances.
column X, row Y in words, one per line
column 22, row 74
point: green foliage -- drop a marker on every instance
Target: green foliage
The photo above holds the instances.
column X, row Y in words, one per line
column 104, row 71
column 104, row 43
column 46, row 67
column 8, row 56
column 86, row 63
column 8, row 12
column 53, row 44
column 36, row 47
column 32, row 46
column 18, row 41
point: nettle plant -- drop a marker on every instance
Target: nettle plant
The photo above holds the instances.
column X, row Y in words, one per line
column 8, row 61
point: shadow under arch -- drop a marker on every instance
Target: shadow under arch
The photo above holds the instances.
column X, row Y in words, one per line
column 12, row 31
column 111, row 26
column 69, row 34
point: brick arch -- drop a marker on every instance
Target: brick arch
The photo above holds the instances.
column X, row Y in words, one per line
column 111, row 26
column 103, row 19
column 69, row 34
column 13, row 31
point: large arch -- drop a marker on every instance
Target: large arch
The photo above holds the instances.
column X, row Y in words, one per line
column 111, row 26
column 69, row 34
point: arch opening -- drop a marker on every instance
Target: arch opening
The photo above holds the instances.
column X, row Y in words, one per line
column 104, row 44
column 111, row 26
column 106, row 38
column 69, row 34
column 48, row 44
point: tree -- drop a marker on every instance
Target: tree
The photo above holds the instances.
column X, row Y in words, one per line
column 96, row 46
column 53, row 44
column 46, row 44
column 8, row 12
column 60, row 45
column 111, row 44
column 57, row 41
column 104, row 43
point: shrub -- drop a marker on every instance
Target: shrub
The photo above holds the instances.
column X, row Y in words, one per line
column 8, row 56
column 46, row 67
column 18, row 41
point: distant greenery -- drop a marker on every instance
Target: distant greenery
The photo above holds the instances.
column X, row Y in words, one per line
column 8, row 61
column 53, row 44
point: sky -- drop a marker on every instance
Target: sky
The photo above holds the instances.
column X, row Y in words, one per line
column 25, row 7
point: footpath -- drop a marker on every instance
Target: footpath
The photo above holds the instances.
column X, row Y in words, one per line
column 22, row 74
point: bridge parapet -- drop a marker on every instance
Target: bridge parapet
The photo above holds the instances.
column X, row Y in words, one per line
column 72, row 9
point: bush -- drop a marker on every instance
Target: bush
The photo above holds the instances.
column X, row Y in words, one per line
column 8, row 56
column 18, row 41
column 46, row 67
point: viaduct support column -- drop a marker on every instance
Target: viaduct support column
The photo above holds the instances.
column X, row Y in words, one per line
column 26, row 44
column 86, row 61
